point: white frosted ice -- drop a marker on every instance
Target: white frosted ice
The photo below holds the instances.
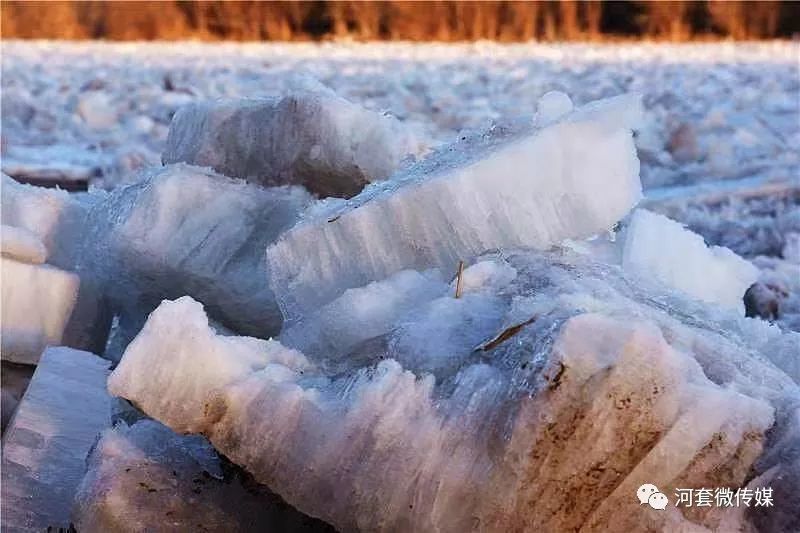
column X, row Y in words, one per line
column 37, row 301
column 97, row 110
column 552, row 106
column 60, row 222
column 186, row 230
column 416, row 314
column 657, row 247
column 486, row 275
column 667, row 391
column 52, row 215
column 363, row 313
column 22, row 245
column 315, row 139
column 181, row 328
column 521, row 186
column 541, row 398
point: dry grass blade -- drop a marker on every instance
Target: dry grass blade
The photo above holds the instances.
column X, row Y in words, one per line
column 504, row 335
column 459, row 276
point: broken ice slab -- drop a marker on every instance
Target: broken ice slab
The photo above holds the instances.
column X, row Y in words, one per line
column 660, row 248
column 379, row 450
column 527, row 186
column 146, row 477
column 186, row 230
column 588, row 386
column 64, row 409
column 68, row 167
column 22, row 245
column 37, row 302
column 317, row 139
column 194, row 342
column 54, row 216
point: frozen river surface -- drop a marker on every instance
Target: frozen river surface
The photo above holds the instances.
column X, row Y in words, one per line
column 715, row 111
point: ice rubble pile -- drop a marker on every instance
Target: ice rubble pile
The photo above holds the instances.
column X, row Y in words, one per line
column 520, row 185
column 568, row 386
column 312, row 138
column 440, row 89
column 539, row 399
column 185, row 230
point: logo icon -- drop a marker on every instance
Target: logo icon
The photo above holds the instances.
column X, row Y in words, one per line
column 650, row 495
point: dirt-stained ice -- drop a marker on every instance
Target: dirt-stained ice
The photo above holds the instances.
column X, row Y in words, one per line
column 585, row 386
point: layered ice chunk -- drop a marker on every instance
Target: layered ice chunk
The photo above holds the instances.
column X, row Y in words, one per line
column 496, row 438
column 37, row 302
column 660, row 248
column 516, row 186
column 317, row 139
column 185, row 230
column 59, row 221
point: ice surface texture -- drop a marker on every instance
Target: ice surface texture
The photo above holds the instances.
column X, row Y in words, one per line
column 64, row 409
column 517, row 186
column 186, row 230
column 315, row 139
column 145, row 477
column 37, row 302
column 586, row 386
column 738, row 99
column 665, row 250
column 22, row 245
column 53, row 216
column 59, row 221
